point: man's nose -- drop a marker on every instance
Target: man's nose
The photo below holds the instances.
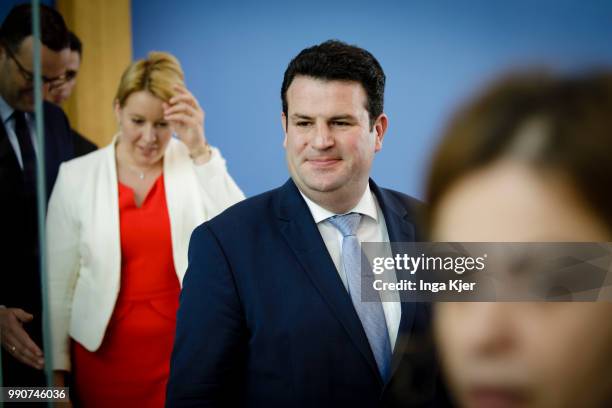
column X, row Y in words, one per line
column 46, row 89
column 323, row 137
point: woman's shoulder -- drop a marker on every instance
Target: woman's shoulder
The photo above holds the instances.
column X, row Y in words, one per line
column 87, row 166
column 90, row 160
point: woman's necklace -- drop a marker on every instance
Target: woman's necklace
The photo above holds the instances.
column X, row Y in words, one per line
column 141, row 174
column 133, row 169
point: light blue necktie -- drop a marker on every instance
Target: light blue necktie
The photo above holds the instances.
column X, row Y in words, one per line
column 371, row 313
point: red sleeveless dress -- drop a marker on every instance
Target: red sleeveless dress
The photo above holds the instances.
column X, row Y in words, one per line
column 131, row 367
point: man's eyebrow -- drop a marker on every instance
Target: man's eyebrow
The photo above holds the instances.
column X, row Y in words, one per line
column 296, row 116
column 346, row 116
column 343, row 117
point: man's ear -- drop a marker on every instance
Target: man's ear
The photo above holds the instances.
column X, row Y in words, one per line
column 380, row 129
column 284, row 125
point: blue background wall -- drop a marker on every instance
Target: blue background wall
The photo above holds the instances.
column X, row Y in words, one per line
column 435, row 54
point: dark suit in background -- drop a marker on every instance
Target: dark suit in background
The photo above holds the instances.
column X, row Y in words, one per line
column 265, row 319
column 20, row 276
column 82, row 145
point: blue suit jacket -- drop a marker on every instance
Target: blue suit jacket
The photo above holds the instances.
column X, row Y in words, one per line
column 264, row 319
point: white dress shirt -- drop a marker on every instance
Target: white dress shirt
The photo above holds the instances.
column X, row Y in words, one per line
column 372, row 228
column 6, row 112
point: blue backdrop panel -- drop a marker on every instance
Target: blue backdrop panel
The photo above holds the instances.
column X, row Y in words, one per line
column 435, row 54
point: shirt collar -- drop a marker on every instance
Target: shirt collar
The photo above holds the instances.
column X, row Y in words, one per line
column 5, row 110
column 365, row 206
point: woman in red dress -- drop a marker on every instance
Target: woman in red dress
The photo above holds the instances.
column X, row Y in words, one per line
column 119, row 223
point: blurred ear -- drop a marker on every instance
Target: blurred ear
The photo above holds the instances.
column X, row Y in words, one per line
column 284, row 125
column 379, row 129
column 117, row 111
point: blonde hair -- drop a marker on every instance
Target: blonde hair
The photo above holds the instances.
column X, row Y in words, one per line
column 157, row 74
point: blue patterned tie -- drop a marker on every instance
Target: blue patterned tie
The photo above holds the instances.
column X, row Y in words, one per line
column 371, row 313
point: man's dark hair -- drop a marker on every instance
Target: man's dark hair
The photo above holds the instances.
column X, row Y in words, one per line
column 336, row 60
column 18, row 25
column 75, row 44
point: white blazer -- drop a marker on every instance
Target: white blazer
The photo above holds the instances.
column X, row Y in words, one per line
column 83, row 242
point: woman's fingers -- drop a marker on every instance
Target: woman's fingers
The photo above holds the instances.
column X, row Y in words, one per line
column 185, row 98
column 184, row 119
column 183, row 108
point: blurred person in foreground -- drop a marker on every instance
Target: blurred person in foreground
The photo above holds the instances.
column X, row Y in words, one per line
column 527, row 161
column 20, row 283
column 61, row 93
column 119, row 222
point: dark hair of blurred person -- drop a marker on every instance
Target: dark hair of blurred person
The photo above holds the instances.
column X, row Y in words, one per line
column 529, row 160
column 558, row 126
column 17, row 26
column 75, row 44
column 20, row 291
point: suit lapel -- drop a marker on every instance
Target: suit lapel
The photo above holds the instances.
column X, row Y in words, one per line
column 58, row 143
column 50, row 157
column 303, row 237
column 9, row 166
column 400, row 229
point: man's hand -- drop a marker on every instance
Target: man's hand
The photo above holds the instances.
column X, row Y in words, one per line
column 16, row 340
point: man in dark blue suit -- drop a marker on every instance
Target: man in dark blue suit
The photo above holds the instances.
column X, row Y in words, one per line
column 269, row 314
column 20, row 289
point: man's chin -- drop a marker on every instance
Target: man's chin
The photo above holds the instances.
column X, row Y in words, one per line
column 321, row 187
column 25, row 103
column 26, row 107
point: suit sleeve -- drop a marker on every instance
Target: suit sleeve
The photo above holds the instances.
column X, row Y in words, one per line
column 63, row 261
column 218, row 188
column 208, row 360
